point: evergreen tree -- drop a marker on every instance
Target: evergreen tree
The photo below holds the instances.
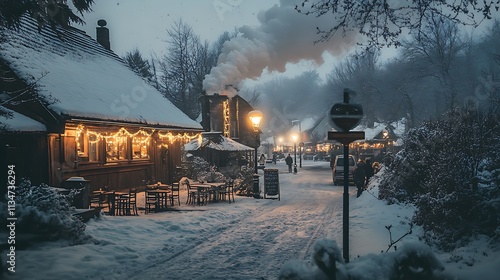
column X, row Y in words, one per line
column 139, row 65
column 44, row 11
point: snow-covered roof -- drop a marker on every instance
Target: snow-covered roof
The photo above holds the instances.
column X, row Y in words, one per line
column 87, row 81
column 216, row 142
column 15, row 122
column 371, row 133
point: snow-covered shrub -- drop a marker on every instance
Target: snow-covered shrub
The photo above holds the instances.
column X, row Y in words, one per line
column 244, row 182
column 447, row 169
column 412, row 261
column 200, row 170
column 42, row 211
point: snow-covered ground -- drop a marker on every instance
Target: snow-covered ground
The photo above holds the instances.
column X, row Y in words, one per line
column 248, row 239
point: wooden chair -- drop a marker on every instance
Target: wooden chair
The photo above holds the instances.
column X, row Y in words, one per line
column 175, row 193
column 151, row 201
column 97, row 199
column 121, row 205
column 192, row 193
column 112, row 205
column 203, row 195
column 227, row 191
column 128, row 203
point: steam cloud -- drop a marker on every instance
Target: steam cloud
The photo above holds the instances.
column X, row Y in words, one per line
column 284, row 36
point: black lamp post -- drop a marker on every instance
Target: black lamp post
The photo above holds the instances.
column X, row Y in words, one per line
column 294, row 137
column 301, row 144
column 255, row 117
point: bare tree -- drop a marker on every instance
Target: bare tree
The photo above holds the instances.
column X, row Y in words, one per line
column 383, row 23
column 358, row 72
column 435, row 53
column 488, row 64
column 183, row 68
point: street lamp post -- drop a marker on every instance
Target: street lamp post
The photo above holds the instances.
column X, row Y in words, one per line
column 301, row 143
column 385, row 134
column 294, row 137
column 255, row 117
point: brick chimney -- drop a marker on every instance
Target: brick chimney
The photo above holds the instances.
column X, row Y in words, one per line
column 103, row 34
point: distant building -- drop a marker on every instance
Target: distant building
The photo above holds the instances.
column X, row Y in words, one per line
column 225, row 120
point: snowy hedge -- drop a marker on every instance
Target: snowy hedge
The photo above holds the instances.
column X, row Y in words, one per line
column 412, row 261
column 450, row 170
column 42, row 211
column 200, row 170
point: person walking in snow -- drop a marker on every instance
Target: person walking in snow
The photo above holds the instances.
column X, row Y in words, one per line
column 289, row 161
column 368, row 170
column 359, row 177
column 262, row 160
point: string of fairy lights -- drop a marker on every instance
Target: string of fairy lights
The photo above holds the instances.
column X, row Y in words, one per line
column 140, row 137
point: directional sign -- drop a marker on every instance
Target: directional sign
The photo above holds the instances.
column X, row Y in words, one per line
column 346, row 137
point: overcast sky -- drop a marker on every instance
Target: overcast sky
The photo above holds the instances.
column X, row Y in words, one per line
column 142, row 24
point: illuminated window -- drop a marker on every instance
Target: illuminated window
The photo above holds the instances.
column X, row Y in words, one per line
column 93, row 144
column 140, row 147
column 116, row 148
column 87, row 146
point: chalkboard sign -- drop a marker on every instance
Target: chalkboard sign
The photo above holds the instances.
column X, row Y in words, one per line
column 271, row 183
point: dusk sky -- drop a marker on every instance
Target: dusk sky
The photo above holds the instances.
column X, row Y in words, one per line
column 143, row 24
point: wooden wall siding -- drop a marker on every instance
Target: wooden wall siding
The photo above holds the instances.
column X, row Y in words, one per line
column 27, row 151
column 55, row 163
column 115, row 177
column 164, row 158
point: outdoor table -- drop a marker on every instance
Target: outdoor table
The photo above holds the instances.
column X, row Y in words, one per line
column 202, row 187
column 161, row 198
column 111, row 199
column 216, row 186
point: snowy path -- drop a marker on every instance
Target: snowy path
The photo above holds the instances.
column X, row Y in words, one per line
column 249, row 239
column 255, row 243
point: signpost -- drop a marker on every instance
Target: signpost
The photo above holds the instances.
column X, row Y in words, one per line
column 344, row 117
column 271, row 183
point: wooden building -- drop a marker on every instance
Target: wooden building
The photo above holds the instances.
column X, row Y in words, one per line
column 103, row 122
column 227, row 115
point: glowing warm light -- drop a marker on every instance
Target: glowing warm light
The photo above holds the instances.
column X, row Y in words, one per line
column 294, row 138
column 179, row 136
column 227, row 121
column 255, row 117
column 141, row 137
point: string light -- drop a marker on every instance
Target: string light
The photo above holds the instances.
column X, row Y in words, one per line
column 227, row 121
column 140, row 137
column 180, row 136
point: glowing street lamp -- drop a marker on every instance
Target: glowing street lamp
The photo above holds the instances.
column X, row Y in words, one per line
column 255, row 117
column 294, row 138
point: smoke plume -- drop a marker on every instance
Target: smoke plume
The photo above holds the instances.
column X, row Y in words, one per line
column 283, row 36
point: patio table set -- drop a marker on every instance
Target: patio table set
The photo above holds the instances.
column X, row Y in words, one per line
column 200, row 193
column 159, row 196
